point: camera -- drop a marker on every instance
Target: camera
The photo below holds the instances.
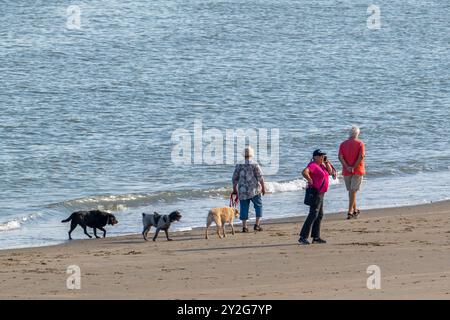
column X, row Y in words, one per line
column 325, row 159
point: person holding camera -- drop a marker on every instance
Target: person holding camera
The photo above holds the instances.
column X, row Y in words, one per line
column 317, row 173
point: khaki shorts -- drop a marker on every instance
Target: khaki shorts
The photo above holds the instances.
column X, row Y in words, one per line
column 353, row 182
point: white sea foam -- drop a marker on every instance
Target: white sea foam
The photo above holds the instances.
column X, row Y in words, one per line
column 10, row 225
column 293, row 185
column 183, row 229
column 112, row 207
column 123, row 202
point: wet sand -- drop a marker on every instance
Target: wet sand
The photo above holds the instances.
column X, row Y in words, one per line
column 410, row 245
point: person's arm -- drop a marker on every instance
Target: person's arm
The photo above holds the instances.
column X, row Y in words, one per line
column 307, row 175
column 360, row 157
column 260, row 179
column 235, row 179
column 263, row 187
column 342, row 160
column 329, row 167
column 344, row 163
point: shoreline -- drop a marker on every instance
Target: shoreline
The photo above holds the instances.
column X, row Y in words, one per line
column 332, row 216
column 45, row 228
column 410, row 245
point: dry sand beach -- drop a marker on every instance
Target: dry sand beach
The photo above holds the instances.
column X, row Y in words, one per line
column 411, row 245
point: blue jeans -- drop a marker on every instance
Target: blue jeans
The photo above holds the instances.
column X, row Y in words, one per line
column 245, row 204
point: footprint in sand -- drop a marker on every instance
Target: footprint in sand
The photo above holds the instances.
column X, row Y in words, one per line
column 132, row 253
column 172, row 269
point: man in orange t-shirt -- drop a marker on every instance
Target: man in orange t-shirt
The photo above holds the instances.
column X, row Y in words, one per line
column 351, row 155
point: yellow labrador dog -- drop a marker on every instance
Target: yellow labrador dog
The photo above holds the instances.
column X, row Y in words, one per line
column 221, row 216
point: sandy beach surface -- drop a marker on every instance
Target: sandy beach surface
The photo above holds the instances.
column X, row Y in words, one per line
column 410, row 245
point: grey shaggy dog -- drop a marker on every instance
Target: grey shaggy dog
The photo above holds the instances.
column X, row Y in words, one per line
column 160, row 222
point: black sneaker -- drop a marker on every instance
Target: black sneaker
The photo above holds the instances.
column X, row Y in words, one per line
column 257, row 228
column 245, row 229
column 319, row 241
column 303, row 241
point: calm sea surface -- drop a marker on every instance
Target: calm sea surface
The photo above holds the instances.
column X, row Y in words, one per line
column 87, row 115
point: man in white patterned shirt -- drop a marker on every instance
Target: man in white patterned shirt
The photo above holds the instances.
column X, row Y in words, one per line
column 248, row 182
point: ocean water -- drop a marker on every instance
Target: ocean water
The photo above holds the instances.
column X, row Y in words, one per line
column 91, row 96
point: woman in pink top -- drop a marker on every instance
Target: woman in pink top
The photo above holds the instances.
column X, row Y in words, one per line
column 317, row 173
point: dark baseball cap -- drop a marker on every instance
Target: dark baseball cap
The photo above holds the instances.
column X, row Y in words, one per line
column 318, row 152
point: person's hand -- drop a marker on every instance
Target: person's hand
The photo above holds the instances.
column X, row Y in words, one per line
column 350, row 169
column 334, row 174
column 310, row 181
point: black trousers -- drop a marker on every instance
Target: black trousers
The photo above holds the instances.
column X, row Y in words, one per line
column 314, row 219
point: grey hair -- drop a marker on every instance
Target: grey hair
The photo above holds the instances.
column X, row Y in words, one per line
column 354, row 132
column 249, row 152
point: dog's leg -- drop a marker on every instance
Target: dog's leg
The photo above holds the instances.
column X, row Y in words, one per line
column 218, row 222
column 223, row 229
column 156, row 234
column 73, row 225
column 219, row 226
column 104, row 231
column 208, row 223
column 145, row 231
column 95, row 233
column 85, row 232
column 232, row 227
column 167, row 234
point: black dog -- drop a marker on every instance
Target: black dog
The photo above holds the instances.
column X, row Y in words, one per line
column 95, row 219
column 161, row 222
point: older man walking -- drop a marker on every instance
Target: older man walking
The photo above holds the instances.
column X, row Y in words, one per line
column 351, row 154
column 249, row 183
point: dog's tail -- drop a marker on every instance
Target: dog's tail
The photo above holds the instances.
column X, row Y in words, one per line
column 68, row 219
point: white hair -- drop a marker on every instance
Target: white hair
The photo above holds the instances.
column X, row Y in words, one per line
column 248, row 152
column 354, row 132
